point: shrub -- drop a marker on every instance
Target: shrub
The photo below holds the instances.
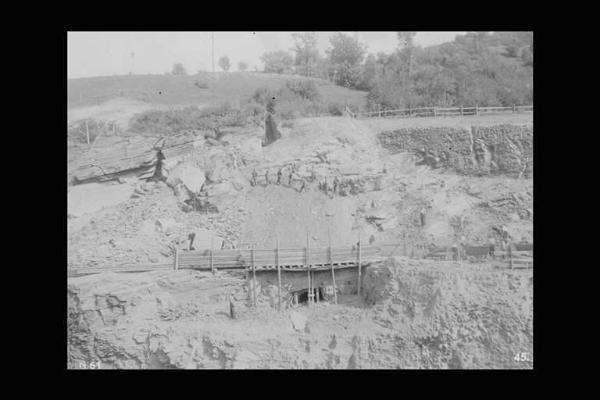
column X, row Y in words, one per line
column 336, row 108
column 304, row 88
column 77, row 132
column 263, row 94
column 190, row 118
column 254, row 109
column 178, row 69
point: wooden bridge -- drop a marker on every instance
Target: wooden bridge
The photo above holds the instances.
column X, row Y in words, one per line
column 284, row 259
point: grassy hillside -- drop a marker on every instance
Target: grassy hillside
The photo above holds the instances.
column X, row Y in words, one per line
column 193, row 89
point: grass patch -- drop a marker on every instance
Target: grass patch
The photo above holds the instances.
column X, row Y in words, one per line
column 294, row 99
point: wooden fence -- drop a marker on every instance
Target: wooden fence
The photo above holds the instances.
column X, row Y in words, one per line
column 520, row 257
column 443, row 111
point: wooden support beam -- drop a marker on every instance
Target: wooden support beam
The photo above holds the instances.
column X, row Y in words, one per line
column 176, row 258
column 308, row 268
column 359, row 269
column 212, row 269
column 278, row 274
column 332, row 272
column 253, row 276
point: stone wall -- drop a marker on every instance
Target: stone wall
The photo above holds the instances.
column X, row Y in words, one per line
column 479, row 150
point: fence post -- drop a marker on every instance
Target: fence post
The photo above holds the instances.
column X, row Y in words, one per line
column 434, row 113
column 278, row 275
column 510, row 255
column 379, row 109
column 461, row 110
column 308, row 268
column 476, row 109
column 87, row 132
column 359, row 269
column 253, row 276
column 514, row 108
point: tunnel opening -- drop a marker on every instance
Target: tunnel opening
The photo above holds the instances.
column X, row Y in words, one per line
column 301, row 296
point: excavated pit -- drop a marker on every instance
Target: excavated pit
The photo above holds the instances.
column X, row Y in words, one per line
column 413, row 314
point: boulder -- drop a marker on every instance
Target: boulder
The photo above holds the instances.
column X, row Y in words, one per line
column 298, row 321
column 202, row 240
column 220, row 171
column 165, row 225
column 191, row 177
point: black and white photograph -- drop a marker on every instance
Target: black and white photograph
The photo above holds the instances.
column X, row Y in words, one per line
column 299, row 200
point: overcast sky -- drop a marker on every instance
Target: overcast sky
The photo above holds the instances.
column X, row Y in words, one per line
column 119, row 53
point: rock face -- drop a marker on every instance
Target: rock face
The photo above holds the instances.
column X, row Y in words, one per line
column 146, row 321
column 499, row 149
column 453, row 317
